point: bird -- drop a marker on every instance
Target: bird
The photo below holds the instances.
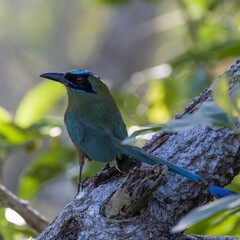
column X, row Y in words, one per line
column 96, row 127
column 219, row 192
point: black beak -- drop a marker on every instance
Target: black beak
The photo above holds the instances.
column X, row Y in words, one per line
column 58, row 77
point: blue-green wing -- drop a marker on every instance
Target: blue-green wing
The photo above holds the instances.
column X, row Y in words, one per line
column 97, row 144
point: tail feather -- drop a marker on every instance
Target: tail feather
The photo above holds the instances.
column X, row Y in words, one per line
column 219, row 192
column 139, row 154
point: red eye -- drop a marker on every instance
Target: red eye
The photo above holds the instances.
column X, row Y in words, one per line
column 80, row 80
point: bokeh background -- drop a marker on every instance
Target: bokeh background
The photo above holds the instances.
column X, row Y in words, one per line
column 155, row 56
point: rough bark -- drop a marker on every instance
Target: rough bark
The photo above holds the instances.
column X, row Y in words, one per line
column 212, row 152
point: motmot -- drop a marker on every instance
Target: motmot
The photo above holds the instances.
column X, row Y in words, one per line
column 96, row 127
column 219, row 192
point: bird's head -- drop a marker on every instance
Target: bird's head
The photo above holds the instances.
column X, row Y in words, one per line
column 76, row 80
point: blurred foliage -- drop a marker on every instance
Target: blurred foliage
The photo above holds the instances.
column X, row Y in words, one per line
column 195, row 40
column 36, row 103
column 28, row 130
column 7, row 232
column 115, row 2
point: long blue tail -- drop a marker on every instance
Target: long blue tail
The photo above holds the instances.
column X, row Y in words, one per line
column 139, row 154
column 219, row 192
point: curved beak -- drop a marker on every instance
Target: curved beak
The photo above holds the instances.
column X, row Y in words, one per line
column 58, row 77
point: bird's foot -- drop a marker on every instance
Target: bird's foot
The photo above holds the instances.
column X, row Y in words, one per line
column 80, row 186
column 106, row 166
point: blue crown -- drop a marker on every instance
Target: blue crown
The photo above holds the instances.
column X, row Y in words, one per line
column 79, row 71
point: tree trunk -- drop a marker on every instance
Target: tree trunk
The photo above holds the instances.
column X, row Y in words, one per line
column 150, row 200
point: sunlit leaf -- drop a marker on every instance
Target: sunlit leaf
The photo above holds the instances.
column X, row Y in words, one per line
column 37, row 102
column 160, row 97
column 4, row 115
column 207, row 115
column 207, row 211
column 15, row 135
column 236, row 101
column 226, row 216
column 222, row 97
column 142, row 131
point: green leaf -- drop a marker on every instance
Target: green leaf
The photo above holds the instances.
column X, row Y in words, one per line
column 6, row 231
column 206, row 211
column 37, row 102
column 142, row 131
column 4, row 115
column 207, row 115
column 15, row 135
column 221, row 219
column 236, row 102
column 222, row 97
column 212, row 113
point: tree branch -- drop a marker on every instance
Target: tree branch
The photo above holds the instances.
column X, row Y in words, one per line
column 135, row 192
column 212, row 152
column 7, row 199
